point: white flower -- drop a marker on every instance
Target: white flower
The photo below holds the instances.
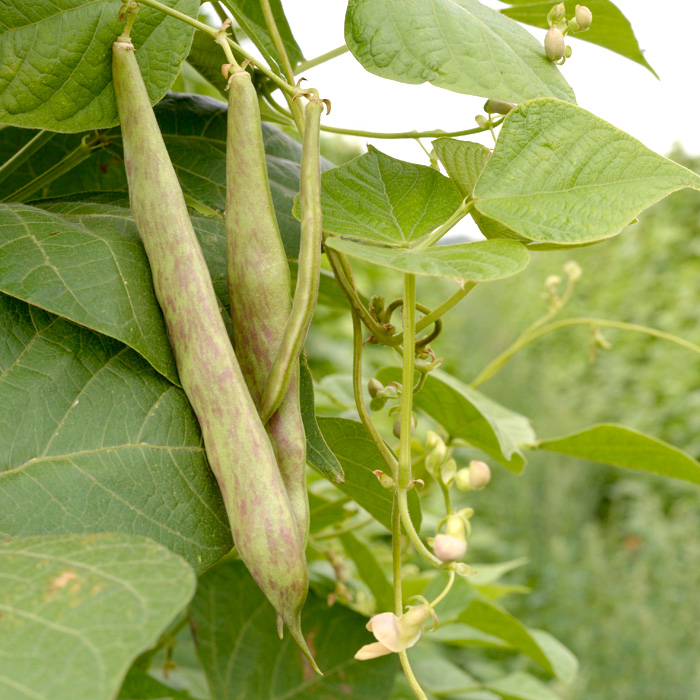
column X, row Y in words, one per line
column 393, row 633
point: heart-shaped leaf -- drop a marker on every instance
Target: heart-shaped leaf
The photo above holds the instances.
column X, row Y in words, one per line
column 243, row 657
column 560, row 174
column 464, row 161
column 92, row 439
column 480, row 261
column 76, row 611
column 467, row 414
column 57, row 66
column 610, row 27
column 378, row 198
column 624, row 447
column 459, row 45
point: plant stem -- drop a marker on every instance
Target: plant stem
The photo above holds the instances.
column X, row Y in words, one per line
column 435, row 133
column 312, row 63
column 66, row 164
column 282, row 84
column 446, row 305
column 409, row 355
column 446, row 590
column 538, row 330
column 410, row 677
column 25, row 153
column 402, row 499
column 376, row 438
column 436, row 235
column 285, row 63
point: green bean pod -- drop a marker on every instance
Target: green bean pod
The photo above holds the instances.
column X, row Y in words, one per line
column 237, row 446
column 306, row 292
column 259, row 284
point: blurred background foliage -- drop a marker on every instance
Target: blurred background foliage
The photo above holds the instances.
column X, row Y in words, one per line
column 613, row 556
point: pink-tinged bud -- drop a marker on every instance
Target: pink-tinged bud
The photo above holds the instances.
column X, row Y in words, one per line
column 556, row 14
column 448, row 548
column 479, row 475
column 584, row 18
column 554, row 45
column 455, row 527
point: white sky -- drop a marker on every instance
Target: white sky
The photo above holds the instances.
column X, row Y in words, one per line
column 658, row 113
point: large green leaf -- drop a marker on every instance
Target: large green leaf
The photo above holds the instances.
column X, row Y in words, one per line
column 467, row 414
column 610, row 27
column 480, row 261
column 464, row 161
column 92, row 439
column 138, row 685
column 378, row 198
column 318, row 454
column 243, row 657
column 560, row 174
column 85, row 262
column 521, row 686
column 460, row 45
column 56, row 60
column 76, row 610
column 370, row 571
column 250, row 17
column 624, row 447
column 359, row 458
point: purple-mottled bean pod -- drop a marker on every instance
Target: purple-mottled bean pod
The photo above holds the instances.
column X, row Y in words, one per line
column 237, row 446
column 259, row 284
column 306, row 292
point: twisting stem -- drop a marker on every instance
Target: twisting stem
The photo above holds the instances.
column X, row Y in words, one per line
column 306, row 65
column 25, row 153
column 402, row 499
column 376, row 438
column 537, row 331
column 434, row 133
column 446, row 590
column 446, row 305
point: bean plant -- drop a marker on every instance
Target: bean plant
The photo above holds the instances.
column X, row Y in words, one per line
column 160, row 268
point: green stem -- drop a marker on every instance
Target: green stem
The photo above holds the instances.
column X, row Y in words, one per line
column 446, row 495
column 376, row 438
column 446, row 590
column 435, row 133
column 25, row 153
column 409, row 356
column 283, row 58
column 66, row 164
column 410, row 677
column 446, row 305
column 396, row 556
column 534, row 333
column 309, row 270
column 402, row 498
column 282, row 84
column 312, row 63
column 436, row 235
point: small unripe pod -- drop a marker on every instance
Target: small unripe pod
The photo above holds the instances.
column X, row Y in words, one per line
column 498, row 107
column 554, row 45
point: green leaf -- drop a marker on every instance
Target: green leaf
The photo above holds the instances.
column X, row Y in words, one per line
column 138, row 685
column 459, row 45
column 624, row 447
column 76, row 610
column 436, row 673
column 521, row 686
column 480, row 261
column 492, row 619
column 560, row 174
column 375, row 197
column 359, row 458
column 56, row 59
column 610, row 27
column 92, row 439
column 460, row 635
column 243, row 657
column 370, row 571
column 325, row 513
column 250, row 17
column 318, row 454
column 464, row 161
column 467, row 414
column 206, row 58
column 86, row 263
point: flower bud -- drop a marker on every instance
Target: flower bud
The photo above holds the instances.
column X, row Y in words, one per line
column 498, row 107
column 448, row 548
column 392, row 390
column 397, row 426
column 454, row 527
column 554, row 45
column 462, row 480
column 556, row 15
column 584, row 18
column 374, row 386
column 482, row 121
column 573, row 270
column 384, row 479
column 448, row 471
column 479, row 475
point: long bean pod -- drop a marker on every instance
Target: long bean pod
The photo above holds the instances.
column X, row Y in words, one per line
column 237, row 446
column 306, row 292
column 259, row 285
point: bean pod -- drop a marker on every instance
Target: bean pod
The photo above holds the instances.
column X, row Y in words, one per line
column 237, row 446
